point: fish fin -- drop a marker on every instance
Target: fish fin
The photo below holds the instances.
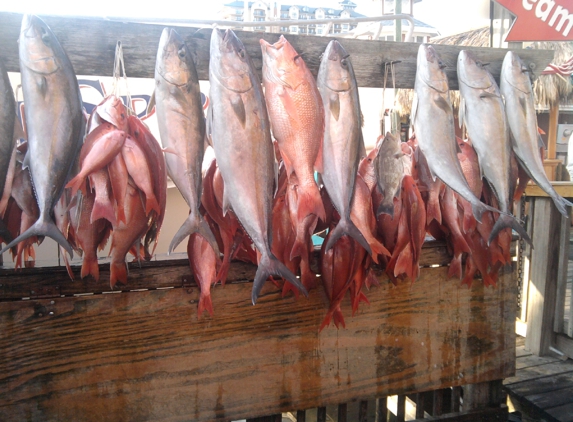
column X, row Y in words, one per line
column 334, row 105
column 151, row 204
column 26, row 161
column 405, row 262
column 150, row 103
column 226, row 202
column 208, row 126
column 443, row 104
column 414, row 109
column 523, row 104
column 42, row 227
column 362, row 147
column 310, row 202
column 42, row 85
column 67, row 263
column 170, row 150
column 378, row 249
column 540, row 142
column 455, row 269
column 385, row 208
column 335, row 314
column 270, row 265
column 288, row 287
column 103, row 210
column 478, row 208
column 346, row 227
column 462, row 112
column 78, row 183
column 117, row 272
column 194, row 224
column 433, row 212
column 486, row 94
column 239, row 108
column 371, row 279
column 205, row 304
column 288, row 104
column 505, row 221
column 90, row 267
column 360, row 297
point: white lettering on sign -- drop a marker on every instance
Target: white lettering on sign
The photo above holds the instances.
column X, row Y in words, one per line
column 564, row 16
column 528, row 4
column 544, row 14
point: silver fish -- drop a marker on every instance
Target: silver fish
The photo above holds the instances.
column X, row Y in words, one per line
column 243, row 148
column 182, row 128
column 483, row 114
column 389, row 168
column 433, row 120
column 515, row 86
column 54, row 121
column 342, row 146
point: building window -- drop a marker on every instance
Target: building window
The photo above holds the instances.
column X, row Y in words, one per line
column 419, row 39
column 390, row 38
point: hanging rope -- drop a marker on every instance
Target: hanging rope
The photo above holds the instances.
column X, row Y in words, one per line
column 119, row 75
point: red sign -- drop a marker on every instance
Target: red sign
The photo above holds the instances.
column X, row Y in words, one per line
column 540, row 20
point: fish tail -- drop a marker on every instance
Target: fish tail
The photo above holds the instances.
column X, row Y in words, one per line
column 299, row 248
column 378, row 249
column 385, row 208
column 478, row 208
column 151, row 204
column 405, row 263
column 103, row 210
column 469, row 223
column 205, row 304
column 78, row 182
column 333, row 313
column 346, row 226
column 455, row 269
column 194, row 224
column 508, row 221
column 121, row 215
column 433, row 213
column 67, row 263
column 118, row 272
column 90, row 267
column 310, row 202
column 371, row 279
column 360, row 297
column 288, row 287
column 42, row 227
column 561, row 204
column 270, row 265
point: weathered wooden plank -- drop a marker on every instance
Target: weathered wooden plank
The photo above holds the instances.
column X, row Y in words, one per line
column 482, row 415
column 553, row 398
column 562, row 413
column 543, row 275
column 565, row 189
column 529, row 361
column 90, row 43
column 563, row 263
column 521, row 351
column 564, row 344
column 144, row 355
column 54, row 281
column 538, row 372
column 541, row 385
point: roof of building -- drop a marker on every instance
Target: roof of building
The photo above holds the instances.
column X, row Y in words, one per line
column 328, row 11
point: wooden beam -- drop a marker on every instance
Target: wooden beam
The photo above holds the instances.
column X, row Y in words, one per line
column 146, row 356
column 90, row 44
column 543, row 272
column 565, row 189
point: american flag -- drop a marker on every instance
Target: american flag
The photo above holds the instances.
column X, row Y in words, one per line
column 564, row 69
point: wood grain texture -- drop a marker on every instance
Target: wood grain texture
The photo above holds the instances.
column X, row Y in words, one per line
column 544, row 265
column 90, row 44
column 54, row 281
column 565, row 189
column 145, row 356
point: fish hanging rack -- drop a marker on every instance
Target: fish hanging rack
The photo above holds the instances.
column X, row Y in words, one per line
column 90, row 44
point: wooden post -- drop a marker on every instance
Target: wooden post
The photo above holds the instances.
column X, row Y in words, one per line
column 544, row 266
column 564, row 234
column 552, row 133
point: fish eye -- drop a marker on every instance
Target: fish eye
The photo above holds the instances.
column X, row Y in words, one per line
column 343, row 62
column 44, row 35
column 296, row 57
column 242, row 54
column 181, row 52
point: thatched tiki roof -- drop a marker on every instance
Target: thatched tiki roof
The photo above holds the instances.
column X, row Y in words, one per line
column 548, row 89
